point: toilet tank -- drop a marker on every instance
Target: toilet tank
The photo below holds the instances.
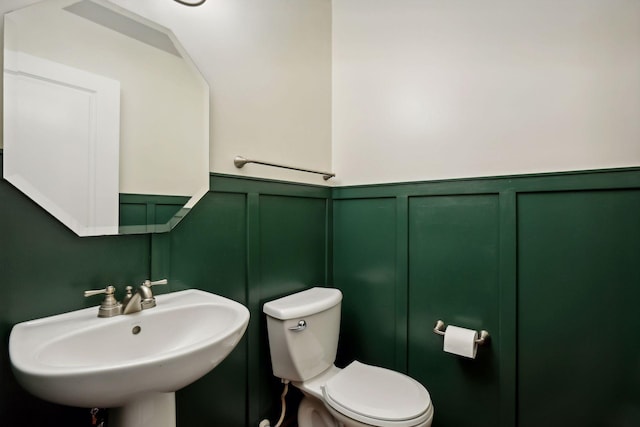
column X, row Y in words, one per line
column 299, row 353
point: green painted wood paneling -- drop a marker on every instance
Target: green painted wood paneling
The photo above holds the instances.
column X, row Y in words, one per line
column 208, row 252
column 516, row 382
column 578, row 322
column 605, row 179
column 364, row 265
column 570, row 237
column 292, row 244
column 453, row 276
column 292, row 257
column 256, row 368
column 402, row 283
column 507, row 345
column 287, row 238
column 249, row 240
column 235, row 184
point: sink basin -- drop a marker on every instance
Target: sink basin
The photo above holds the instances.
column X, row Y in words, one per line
column 78, row 359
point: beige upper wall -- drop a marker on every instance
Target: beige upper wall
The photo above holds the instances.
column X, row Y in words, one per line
column 430, row 89
column 422, row 89
column 268, row 64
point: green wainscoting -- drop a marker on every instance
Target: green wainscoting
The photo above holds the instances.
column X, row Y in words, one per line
column 549, row 264
column 249, row 240
column 252, row 241
column 578, row 316
column 365, row 271
column 453, row 276
column 287, row 237
column 208, row 252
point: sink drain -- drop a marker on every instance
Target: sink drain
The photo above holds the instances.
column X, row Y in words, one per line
column 136, row 330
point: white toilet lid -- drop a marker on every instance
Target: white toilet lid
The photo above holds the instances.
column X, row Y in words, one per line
column 370, row 394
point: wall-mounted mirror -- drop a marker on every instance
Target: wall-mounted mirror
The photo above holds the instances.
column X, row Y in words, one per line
column 106, row 119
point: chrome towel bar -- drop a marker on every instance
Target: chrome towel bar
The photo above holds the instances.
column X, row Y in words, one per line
column 240, row 161
column 439, row 329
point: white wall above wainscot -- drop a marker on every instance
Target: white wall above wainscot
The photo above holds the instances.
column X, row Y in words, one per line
column 435, row 89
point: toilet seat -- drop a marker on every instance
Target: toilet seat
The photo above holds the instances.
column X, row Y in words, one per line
column 377, row 396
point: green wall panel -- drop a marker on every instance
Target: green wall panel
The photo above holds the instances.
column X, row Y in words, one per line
column 493, row 253
column 251, row 241
column 292, row 244
column 404, row 256
column 364, row 265
column 248, row 240
column 208, row 252
column 453, row 276
column 291, row 257
column 287, row 245
column 578, row 294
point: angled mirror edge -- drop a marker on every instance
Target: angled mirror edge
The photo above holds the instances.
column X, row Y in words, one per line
column 171, row 223
column 193, row 200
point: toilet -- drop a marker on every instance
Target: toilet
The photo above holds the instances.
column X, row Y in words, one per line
column 303, row 331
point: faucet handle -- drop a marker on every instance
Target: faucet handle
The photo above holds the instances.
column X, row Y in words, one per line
column 109, row 290
column 110, row 306
column 148, row 300
column 149, row 283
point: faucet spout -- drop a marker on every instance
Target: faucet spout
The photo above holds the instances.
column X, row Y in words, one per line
column 142, row 299
column 133, row 305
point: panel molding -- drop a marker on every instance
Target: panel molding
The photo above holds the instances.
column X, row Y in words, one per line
column 253, row 303
column 553, row 181
column 507, row 299
column 507, row 189
column 128, row 255
column 402, row 283
column 238, row 184
column 262, row 196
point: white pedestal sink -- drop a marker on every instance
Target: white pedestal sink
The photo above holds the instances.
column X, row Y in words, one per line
column 133, row 363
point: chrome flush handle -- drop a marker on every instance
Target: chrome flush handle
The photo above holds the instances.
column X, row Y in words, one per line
column 301, row 326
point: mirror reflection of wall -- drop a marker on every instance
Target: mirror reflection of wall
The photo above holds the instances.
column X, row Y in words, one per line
column 163, row 110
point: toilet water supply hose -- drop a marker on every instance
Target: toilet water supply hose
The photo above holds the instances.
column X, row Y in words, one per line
column 265, row 422
column 284, row 402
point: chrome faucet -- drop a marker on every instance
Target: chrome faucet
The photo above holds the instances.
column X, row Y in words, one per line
column 110, row 306
column 142, row 299
column 132, row 303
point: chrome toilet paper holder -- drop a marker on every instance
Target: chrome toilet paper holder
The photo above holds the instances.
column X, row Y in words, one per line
column 482, row 335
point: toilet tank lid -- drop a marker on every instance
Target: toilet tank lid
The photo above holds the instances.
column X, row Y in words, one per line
column 305, row 303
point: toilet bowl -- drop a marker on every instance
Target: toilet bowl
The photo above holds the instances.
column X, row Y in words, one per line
column 312, row 413
column 364, row 395
column 303, row 333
